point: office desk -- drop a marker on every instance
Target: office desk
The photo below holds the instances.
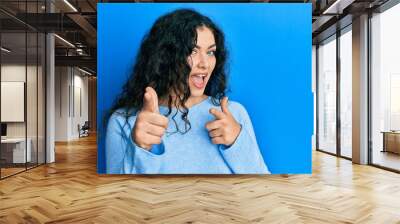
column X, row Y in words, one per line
column 391, row 141
column 15, row 148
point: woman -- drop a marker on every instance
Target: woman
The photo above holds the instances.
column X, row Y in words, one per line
column 172, row 115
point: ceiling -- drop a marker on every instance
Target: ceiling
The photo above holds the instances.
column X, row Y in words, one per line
column 329, row 16
column 77, row 25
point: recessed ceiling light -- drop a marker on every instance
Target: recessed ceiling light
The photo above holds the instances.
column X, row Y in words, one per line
column 337, row 7
column 5, row 50
column 84, row 71
column 71, row 6
column 64, row 40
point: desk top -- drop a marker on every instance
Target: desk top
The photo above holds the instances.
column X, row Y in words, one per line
column 13, row 140
column 391, row 132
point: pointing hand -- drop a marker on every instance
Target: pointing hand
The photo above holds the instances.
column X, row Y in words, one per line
column 150, row 125
column 224, row 129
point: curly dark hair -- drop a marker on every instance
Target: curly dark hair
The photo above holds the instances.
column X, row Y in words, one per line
column 162, row 63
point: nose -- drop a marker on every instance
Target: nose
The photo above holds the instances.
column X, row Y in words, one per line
column 203, row 62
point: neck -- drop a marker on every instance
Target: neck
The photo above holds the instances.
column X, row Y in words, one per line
column 193, row 100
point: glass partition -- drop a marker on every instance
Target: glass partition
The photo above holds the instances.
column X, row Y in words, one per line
column 13, row 109
column 22, row 77
column 32, row 95
column 41, row 91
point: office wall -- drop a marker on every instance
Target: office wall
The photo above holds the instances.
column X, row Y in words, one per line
column 61, row 103
column 16, row 72
column 92, row 98
column 33, row 126
column 71, row 102
column 12, row 98
column 80, row 109
column 25, row 62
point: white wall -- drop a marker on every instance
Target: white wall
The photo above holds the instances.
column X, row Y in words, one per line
column 61, row 103
column 33, row 127
column 314, row 90
column 70, row 83
column 80, row 93
column 12, row 73
column 16, row 72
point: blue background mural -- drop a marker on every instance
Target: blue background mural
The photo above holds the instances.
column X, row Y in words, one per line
column 270, row 69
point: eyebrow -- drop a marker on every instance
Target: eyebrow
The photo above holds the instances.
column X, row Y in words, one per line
column 211, row 46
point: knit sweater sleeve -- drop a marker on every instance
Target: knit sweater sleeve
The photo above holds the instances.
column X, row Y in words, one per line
column 123, row 155
column 243, row 156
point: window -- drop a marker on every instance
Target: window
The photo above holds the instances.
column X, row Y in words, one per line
column 327, row 95
column 385, row 88
column 346, row 92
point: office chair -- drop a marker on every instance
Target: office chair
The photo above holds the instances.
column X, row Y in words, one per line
column 84, row 130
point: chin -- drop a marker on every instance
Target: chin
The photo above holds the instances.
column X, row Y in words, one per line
column 197, row 93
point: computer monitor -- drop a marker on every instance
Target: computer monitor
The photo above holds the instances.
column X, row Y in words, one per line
column 3, row 129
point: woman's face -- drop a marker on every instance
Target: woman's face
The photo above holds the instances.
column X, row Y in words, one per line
column 202, row 61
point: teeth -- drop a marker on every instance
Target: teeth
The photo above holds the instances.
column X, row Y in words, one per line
column 200, row 75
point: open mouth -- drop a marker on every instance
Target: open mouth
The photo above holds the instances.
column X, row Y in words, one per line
column 198, row 80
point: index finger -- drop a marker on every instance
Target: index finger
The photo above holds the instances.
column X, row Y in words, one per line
column 213, row 125
column 217, row 114
column 158, row 119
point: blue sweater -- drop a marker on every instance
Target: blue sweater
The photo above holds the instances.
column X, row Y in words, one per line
column 189, row 153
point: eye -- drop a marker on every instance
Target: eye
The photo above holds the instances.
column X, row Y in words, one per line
column 211, row 53
column 194, row 51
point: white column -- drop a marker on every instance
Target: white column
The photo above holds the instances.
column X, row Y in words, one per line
column 360, row 90
column 50, row 100
column 50, row 93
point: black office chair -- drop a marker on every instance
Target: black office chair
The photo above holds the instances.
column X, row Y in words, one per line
column 84, row 130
